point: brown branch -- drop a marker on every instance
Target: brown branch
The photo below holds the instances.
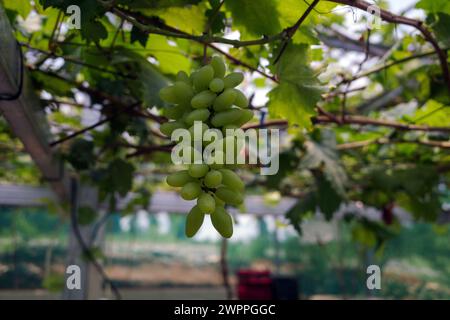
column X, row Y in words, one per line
column 383, row 141
column 419, row 25
column 274, row 123
column 391, row 64
column 360, row 120
column 159, row 24
column 91, row 127
column 291, row 30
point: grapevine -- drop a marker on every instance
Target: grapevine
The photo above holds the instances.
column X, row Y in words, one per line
column 208, row 95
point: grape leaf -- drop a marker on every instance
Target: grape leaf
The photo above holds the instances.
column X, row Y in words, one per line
column 299, row 90
column 139, row 36
column 434, row 6
column 322, row 155
column 303, row 207
column 257, row 17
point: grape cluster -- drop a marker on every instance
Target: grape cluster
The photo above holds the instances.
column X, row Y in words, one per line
column 209, row 96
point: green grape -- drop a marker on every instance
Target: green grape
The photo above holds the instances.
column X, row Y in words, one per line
column 203, row 99
column 179, row 179
column 167, row 94
column 219, row 203
column 194, row 221
column 216, row 85
column 225, row 100
column 198, row 170
column 222, row 222
column 183, row 91
column 175, row 112
column 233, row 79
column 168, row 127
column 241, row 100
column 206, row 203
column 191, row 191
column 231, row 180
column 182, row 76
column 192, row 132
column 203, row 77
column 207, row 95
column 223, row 118
column 218, row 66
column 246, row 116
column 197, row 115
column 213, row 179
column 229, row 196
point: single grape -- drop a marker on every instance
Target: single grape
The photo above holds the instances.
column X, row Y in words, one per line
column 182, row 76
column 191, row 191
column 206, row 203
column 167, row 94
column 183, row 91
column 203, row 77
column 229, row 196
column 225, row 100
column 246, row 116
column 222, row 222
column 241, row 100
column 175, row 112
column 179, row 179
column 213, row 179
column 232, row 180
column 216, row 85
column 233, row 79
column 203, row 99
column 194, row 221
column 168, row 127
column 197, row 115
column 218, row 66
column 223, row 118
column 198, row 170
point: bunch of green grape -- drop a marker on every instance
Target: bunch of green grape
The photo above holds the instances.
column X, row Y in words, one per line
column 207, row 95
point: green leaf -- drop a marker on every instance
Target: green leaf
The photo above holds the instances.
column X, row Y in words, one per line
column 441, row 27
column 257, row 17
column 328, row 199
column 434, row 6
column 322, row 155
column 171, row 59
column 81, row 154
column 149, row 80
column 22, row 7
column 117, row 177
column 296, row 96
column 53, row 282
column 190, row 19
column 145, row 4
column 300, row 210
column 139, row 36
column 86, row 215
column 93, row 31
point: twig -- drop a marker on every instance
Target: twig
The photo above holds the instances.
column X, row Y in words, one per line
column 291, row 30
column 382, row 141
column 393, row 18
column 377, row 122
column 93, row 126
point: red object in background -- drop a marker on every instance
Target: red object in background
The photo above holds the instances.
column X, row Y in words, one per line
column 254, row 285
